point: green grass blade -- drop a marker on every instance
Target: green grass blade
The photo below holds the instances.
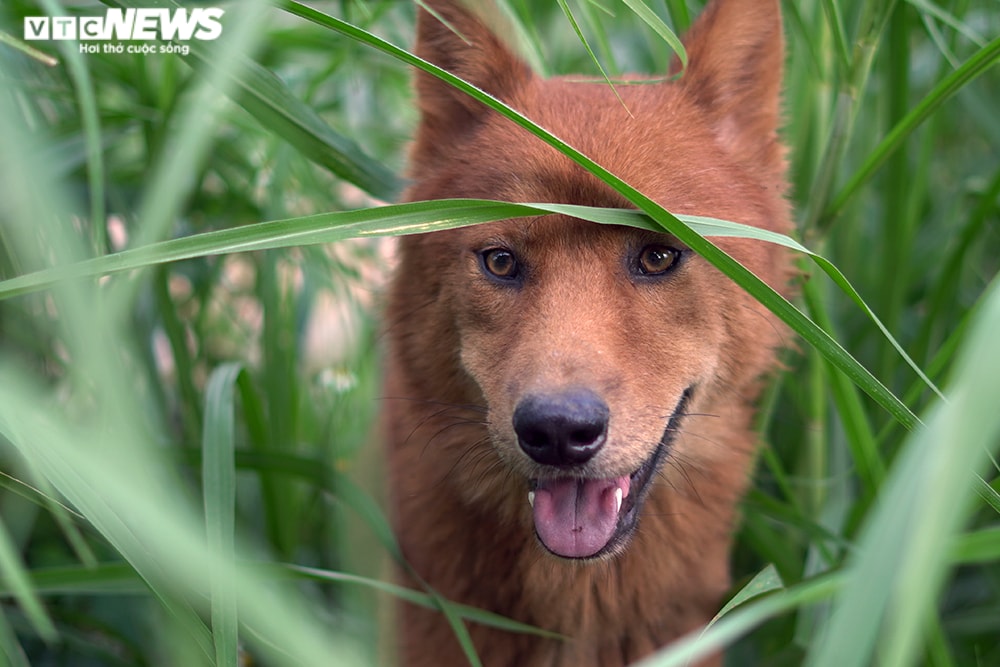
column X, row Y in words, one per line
column 595, row 16
column 950, row 20
column 982, row 60
column 100, row 579
column 280, row 353
column 9, row 40
column 694, row 646
column 679, row 14
column 460, row 632
column 955, row 261
column 219, row 489
column 845, row 106
column 11, row 653
column 902, row 553
column 988, row 494
column 91, row 126
column 650, row 18
column 475, row 614
column 860, row 436
column 398, row 219
column 765, row 581
column 30, row 493
column 586, row 45
column 981, row 546
column 835, row 21
column 64, row 516
column 13, row 572
column 177, row 337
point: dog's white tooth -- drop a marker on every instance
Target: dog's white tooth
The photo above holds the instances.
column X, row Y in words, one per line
column 531, row 498
column 618, row 499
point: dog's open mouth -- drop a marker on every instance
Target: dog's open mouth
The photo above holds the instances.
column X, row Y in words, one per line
column 588, row 518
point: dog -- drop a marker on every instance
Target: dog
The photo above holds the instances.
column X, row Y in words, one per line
column 569, row 406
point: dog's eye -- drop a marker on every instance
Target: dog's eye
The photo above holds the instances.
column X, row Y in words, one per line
column 499, row 263
column 655, row 260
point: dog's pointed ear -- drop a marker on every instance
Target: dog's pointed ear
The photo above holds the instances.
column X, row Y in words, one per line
column 735, row 62
column 454, row 38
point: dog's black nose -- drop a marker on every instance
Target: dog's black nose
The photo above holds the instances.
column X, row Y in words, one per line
column 561, row 429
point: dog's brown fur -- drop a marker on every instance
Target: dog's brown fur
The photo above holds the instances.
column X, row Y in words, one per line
column 464, row 350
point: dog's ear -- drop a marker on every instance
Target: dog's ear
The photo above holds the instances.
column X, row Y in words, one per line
column 456, row 39
column 735, row 60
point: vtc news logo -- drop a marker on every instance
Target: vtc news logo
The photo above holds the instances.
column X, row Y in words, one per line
column 130, row 25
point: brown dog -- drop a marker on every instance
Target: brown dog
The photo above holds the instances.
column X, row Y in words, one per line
column 569, row 405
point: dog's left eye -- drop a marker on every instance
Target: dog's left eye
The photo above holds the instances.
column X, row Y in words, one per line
column 655, row 260
column 499, row 263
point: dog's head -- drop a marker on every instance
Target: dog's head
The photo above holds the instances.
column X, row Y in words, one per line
column 588, row 344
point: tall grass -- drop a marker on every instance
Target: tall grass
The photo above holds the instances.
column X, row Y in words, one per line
column 189, row 474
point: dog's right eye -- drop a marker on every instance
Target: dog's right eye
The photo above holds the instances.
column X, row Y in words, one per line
column 499, row 263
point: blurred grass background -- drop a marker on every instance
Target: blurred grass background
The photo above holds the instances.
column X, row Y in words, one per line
column 233, row 396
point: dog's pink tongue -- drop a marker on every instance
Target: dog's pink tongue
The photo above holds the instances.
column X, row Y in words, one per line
column 576, row 518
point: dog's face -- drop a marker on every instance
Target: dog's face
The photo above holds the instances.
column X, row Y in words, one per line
column 588, row 344
column 587, row 351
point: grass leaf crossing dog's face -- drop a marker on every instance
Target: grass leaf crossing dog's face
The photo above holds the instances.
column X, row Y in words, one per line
column 559, row 387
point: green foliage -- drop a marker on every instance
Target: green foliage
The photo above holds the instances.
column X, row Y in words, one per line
column 182, row 444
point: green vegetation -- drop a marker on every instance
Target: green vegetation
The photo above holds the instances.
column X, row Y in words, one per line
column 188, row 471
